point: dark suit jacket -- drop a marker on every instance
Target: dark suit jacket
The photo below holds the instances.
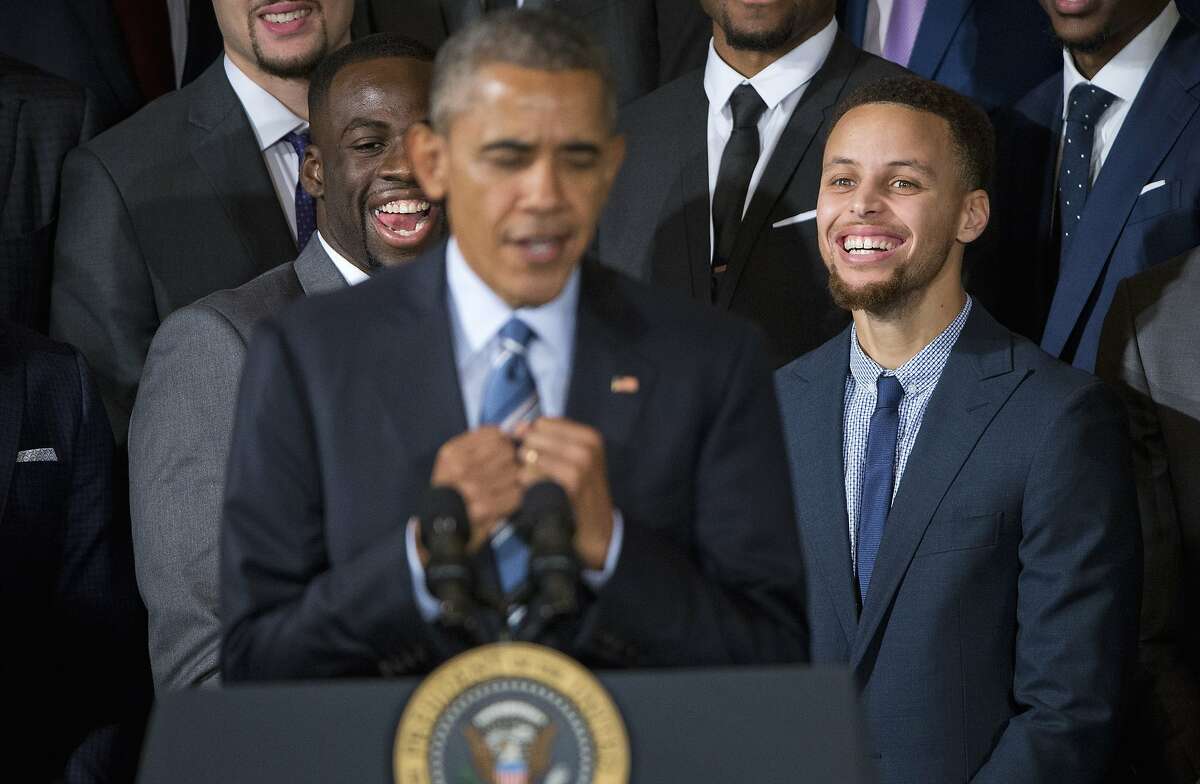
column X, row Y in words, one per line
column 41, row 119
column 1003, row 607
column 1122, row 231
column 173, row 204
column 74, row 665
column 77, row 40
column 1149, row 350
column 344, row 403
column 993, row 52
column 178, row 445
column 650, row 41
column 657, row 223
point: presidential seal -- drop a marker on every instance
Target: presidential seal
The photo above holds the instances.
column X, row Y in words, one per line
column 511, row 713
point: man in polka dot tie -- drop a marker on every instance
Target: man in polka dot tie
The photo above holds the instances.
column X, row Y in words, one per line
column 1099, row 177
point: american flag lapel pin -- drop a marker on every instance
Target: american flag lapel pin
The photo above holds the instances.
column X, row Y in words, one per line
column 623, row 385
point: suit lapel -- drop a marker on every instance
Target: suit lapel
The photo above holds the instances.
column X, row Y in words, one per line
column 977, row 381
column 697, row 211
column 226, row 151
column 937, row 30
column 1158, row 116
column 12, row 392
column 814, row 408
column 316, row 271
column 604, row 330
column 796, row 141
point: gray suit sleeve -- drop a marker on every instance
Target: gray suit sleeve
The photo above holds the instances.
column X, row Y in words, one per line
column 1168, row 696
column 178, row 443
column 102, row 299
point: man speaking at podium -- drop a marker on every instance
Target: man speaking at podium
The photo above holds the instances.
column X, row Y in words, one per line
column 493, row 363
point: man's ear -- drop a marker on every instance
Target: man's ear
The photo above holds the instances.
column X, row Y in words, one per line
column 312, row 172
column 427, row 152
column 977, row 210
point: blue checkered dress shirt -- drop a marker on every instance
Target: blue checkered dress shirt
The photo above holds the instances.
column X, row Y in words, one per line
column 919, row 376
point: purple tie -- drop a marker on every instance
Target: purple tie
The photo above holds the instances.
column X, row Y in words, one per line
column 902, row 30
column 306, row 214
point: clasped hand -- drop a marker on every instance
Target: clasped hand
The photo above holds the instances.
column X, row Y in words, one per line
column 491, row 471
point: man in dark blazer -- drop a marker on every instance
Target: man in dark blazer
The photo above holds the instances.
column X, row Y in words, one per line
column 659, row 223
column 991, row 52
column 195, row 193
column 41, row 119
column 181, row 426
column 650, row 42
column 352, row 405
column 965, row 502
column 1140, row 202
column 74, row 665
column 1149, row 350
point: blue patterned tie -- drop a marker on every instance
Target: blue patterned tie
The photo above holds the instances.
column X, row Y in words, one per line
column 875, row 498
column 1084, row 108
column 306, row 213
column 510, row 398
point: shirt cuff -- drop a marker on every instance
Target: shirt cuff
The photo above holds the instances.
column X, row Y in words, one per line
column 427, row 605
column 597, row 579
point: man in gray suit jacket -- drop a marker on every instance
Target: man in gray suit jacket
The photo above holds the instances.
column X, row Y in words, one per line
column 370, row 213
column 1150, row 349
column 965, row 501
column 195, row 193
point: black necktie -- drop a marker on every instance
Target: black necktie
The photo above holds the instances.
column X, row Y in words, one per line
column 1084, row 108
column 733, row 177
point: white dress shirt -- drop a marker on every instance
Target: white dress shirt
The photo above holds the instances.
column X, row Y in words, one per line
column 271, row 121
column 476, row 316
column 780, row 85
column 1123, row 77
column 351, row 273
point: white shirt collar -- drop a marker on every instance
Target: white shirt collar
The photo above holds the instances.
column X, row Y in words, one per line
column 480, row 313
column 351, row 273
column 775, row 82
column 269, row 118
column 1124, row 74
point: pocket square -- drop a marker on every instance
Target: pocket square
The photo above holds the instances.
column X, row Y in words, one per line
column 1152, row 186
column 804, row 216
column 43, row 455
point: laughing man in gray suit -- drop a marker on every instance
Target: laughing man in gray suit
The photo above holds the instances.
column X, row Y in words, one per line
column 370, row 213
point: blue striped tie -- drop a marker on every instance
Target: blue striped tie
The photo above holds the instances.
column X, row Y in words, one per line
column 879, row 471
column 510, row 398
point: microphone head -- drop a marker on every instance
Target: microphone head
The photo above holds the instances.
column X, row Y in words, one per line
column 444, row 513
column 546, row 496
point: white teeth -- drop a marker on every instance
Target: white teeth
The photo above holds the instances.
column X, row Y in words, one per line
column 404, row 206
column 856, row 242
column 290, row 16
column 410, row 232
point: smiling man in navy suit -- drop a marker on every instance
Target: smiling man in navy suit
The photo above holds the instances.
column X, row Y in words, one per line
column 966, row 502
column 1101, row 175
column 496, row 361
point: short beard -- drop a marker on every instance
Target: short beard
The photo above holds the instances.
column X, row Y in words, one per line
column 765, row 41
column 1088, row 45
column 888, row 299
column 300, row 67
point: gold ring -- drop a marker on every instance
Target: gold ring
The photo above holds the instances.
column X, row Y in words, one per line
column 529, row 456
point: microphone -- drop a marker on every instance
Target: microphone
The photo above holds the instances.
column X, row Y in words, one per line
column 549, row 526
column 445, row 530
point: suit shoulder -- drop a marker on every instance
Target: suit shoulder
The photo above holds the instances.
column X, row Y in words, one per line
column 1050, row 378
column 868, row 68
column 23, row 82
column 646, row 115
column 262, row 296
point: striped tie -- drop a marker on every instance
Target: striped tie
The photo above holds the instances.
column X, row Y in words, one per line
column 510, row 398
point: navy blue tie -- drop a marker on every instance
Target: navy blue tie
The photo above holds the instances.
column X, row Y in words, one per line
column 510, row 398
column 879, row 473
column 306, row 213
column 1085, row 106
